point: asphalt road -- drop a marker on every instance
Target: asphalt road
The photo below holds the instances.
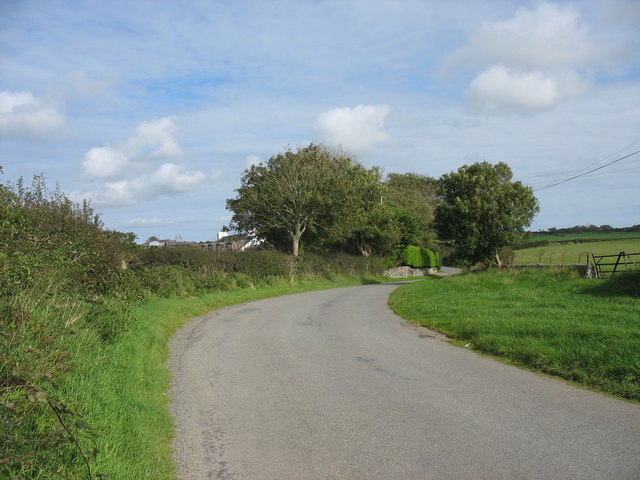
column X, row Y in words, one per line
column 332, row 385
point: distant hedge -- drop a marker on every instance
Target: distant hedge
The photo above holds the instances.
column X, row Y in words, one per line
column 418, row 257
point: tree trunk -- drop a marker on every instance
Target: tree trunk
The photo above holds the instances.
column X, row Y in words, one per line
column 296, row 245
column 363, row 250
column 295, row 239
column 498, row 261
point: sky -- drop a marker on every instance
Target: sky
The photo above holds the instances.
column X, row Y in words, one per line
column 152, row 110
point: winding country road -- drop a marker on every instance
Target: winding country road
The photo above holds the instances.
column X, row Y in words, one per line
column 332, row 385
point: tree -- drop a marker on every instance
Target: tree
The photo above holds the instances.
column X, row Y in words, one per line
column 481, row 210
column 312, row 188
column 356, row 210
column 414, row 198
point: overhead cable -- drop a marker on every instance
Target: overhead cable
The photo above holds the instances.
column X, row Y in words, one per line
column 587, row 173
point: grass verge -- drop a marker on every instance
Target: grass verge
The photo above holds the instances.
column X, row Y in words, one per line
column 120, row 389
column 581, row 330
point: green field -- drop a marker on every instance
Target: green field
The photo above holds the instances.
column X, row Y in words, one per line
column 573, row 253
column 585, row 331
column 567, row 237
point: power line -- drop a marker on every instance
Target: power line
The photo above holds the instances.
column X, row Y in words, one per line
column 626, row 147
column 587, row 173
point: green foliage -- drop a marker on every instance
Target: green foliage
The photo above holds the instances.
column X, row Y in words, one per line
column 434, row 259
column 328, row 202
column 338, row 265
column 414, row 198
column 412, row 257
column 578, row 329
column 41, row 430
column 312, row 188
column 45, row 234
column 418, row 257
column 482, row 210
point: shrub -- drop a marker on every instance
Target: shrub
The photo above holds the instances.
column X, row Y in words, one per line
column 412, row 257
column 418, row 257
column 429, row 258
column 262, row 263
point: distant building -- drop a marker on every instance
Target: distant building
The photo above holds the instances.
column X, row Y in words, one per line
column 231, row 243
column 168, row 244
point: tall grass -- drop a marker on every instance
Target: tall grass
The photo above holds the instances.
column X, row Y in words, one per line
column 585, row 331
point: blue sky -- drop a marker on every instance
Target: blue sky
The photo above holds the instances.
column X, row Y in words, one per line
column 153, row 109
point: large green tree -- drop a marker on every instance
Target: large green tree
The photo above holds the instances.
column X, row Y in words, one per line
column 481, row 210
column 312, row 188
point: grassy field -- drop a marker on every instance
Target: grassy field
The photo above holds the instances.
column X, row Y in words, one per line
column 585, row 331
column 567, row 237
column 121, row 389
column 573, row 253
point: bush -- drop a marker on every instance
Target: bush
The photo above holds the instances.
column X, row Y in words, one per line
column 432, row 259
column 43, row 234
column 262, row 263
column 332, row 265
column 417, row 257
column 412, row 257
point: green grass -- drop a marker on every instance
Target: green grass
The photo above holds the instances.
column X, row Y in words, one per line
column 574, row 253
column 121, row 389
column 597, row 236
column 584, row 331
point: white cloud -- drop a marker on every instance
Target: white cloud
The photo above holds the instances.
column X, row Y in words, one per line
column 24, row 117
column 541, row 56
column 168, row 180
column 10, row 100
column 356, row 130
column 500, row 89
column 103, row 162
column 153, row 140
column 157, row 135
column 129, row 170
column 547, row 37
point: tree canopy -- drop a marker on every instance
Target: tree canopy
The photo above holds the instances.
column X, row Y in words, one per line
column 414, row 198
column 481, row 210
column 312, row 188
